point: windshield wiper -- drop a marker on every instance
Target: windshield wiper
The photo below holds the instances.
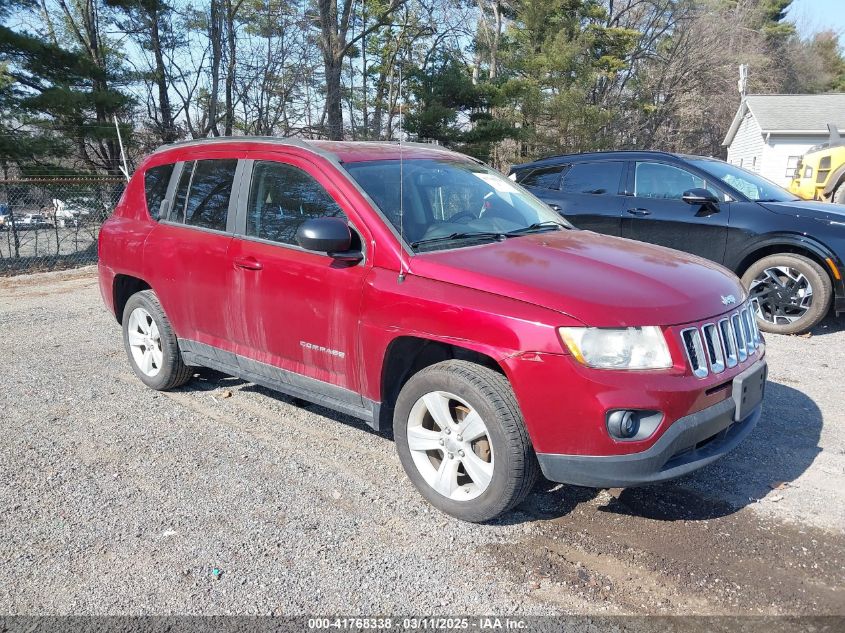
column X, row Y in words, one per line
column 537, row 227
column 490, row 235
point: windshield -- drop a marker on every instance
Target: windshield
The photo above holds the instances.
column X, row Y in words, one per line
column 451, row 203
column 751, row 185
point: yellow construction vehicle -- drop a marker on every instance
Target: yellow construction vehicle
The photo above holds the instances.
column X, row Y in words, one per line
column 820, row 174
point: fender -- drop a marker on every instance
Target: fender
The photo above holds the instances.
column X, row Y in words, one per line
column 421, row 308
column 795, row 240
column 833, row 182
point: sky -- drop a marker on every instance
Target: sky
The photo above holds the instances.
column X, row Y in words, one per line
column 812, row 16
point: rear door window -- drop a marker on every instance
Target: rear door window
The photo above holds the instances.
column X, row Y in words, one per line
column 203, row 193
column 601, row 178
column 177, row 212
column 156, row 180
column 211, row 188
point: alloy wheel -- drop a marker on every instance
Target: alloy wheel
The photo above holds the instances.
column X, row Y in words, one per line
column 145, row 342
column 782, row 295
column 450, row 446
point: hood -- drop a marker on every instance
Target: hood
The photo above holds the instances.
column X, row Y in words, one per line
column 824, row 211
column 600, row 280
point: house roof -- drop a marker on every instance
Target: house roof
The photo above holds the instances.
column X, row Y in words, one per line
column 791, row 114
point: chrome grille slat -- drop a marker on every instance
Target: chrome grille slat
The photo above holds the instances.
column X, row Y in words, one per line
column 751, row 316
column 714, row 347
column 741, row 349
column 695, row 352
column 727, row 332
column 746, row 330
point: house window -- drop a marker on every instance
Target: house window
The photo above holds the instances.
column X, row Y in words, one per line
column 792, row 165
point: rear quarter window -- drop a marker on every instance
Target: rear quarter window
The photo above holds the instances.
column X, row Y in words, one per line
column 546, row 178
column 156, row 180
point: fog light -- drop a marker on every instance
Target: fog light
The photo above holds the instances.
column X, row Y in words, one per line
column 631, row 424
column 623, row 424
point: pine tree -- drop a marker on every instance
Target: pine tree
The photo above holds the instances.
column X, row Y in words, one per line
column 55, row 91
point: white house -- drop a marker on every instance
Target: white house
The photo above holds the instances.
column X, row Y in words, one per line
column 770, row 133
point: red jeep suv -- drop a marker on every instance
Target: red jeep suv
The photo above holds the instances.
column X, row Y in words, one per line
column 413, row 286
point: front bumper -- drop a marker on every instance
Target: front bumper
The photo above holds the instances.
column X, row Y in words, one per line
column 689, row 444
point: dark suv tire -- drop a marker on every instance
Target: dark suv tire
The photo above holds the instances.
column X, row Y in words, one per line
column 151, row 344
column 462, row 441
column 793, row 292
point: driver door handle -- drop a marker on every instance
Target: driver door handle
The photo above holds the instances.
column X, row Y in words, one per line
column 639, row 212
column 555, row 207
column 248, row 263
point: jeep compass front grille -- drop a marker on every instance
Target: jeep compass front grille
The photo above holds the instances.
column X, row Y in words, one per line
column 713, row 347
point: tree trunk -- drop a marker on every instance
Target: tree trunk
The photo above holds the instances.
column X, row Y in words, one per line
column 231, row 42
column 168, row 131
column 215, row 36
column 334, row 106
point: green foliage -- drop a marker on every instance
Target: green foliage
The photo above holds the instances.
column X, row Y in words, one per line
column 831, row 65
column 449, row 108
column 773, row 14
column 53, row 98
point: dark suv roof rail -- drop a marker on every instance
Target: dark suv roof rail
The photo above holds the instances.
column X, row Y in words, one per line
column 542, row 161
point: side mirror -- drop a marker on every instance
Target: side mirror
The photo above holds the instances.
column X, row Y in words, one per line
column 328, row 235
column 700, row 197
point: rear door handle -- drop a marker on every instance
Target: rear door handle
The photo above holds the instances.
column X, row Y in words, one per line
column 639, row 212
column 248, row 263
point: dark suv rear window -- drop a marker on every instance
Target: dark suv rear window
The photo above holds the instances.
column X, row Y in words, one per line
column 594, row 178
column 156, row 180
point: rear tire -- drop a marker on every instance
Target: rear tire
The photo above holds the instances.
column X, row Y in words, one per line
column 151, row 344
column 477, row 461
column 839, row 195
column 793, row 293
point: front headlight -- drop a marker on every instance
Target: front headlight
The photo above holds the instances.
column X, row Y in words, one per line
column 624, row 348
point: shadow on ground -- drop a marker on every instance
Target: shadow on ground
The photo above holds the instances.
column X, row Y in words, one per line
column 782, row 446
column 830, row 325
column 210, row 379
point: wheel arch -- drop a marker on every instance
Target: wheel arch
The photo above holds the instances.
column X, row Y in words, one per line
column 407, row 354
column 123, row 287
column 794, row 244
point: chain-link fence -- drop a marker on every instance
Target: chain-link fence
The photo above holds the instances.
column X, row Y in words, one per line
column 51, row 223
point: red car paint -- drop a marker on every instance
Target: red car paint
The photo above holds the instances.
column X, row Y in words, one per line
column 503, row 299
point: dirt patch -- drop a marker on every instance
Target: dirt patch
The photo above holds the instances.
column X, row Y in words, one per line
column 669, row 550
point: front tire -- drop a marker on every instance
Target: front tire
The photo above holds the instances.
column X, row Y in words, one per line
column 793, row 293
column 151, row 344
column 839, row 195
column 462, row 441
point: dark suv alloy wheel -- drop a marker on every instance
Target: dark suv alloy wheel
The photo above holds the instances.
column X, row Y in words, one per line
column 792, row 293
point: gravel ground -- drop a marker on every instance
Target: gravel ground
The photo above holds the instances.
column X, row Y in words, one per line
column 121, row 500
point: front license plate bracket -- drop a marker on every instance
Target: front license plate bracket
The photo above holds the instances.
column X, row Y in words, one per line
column 748, row 390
